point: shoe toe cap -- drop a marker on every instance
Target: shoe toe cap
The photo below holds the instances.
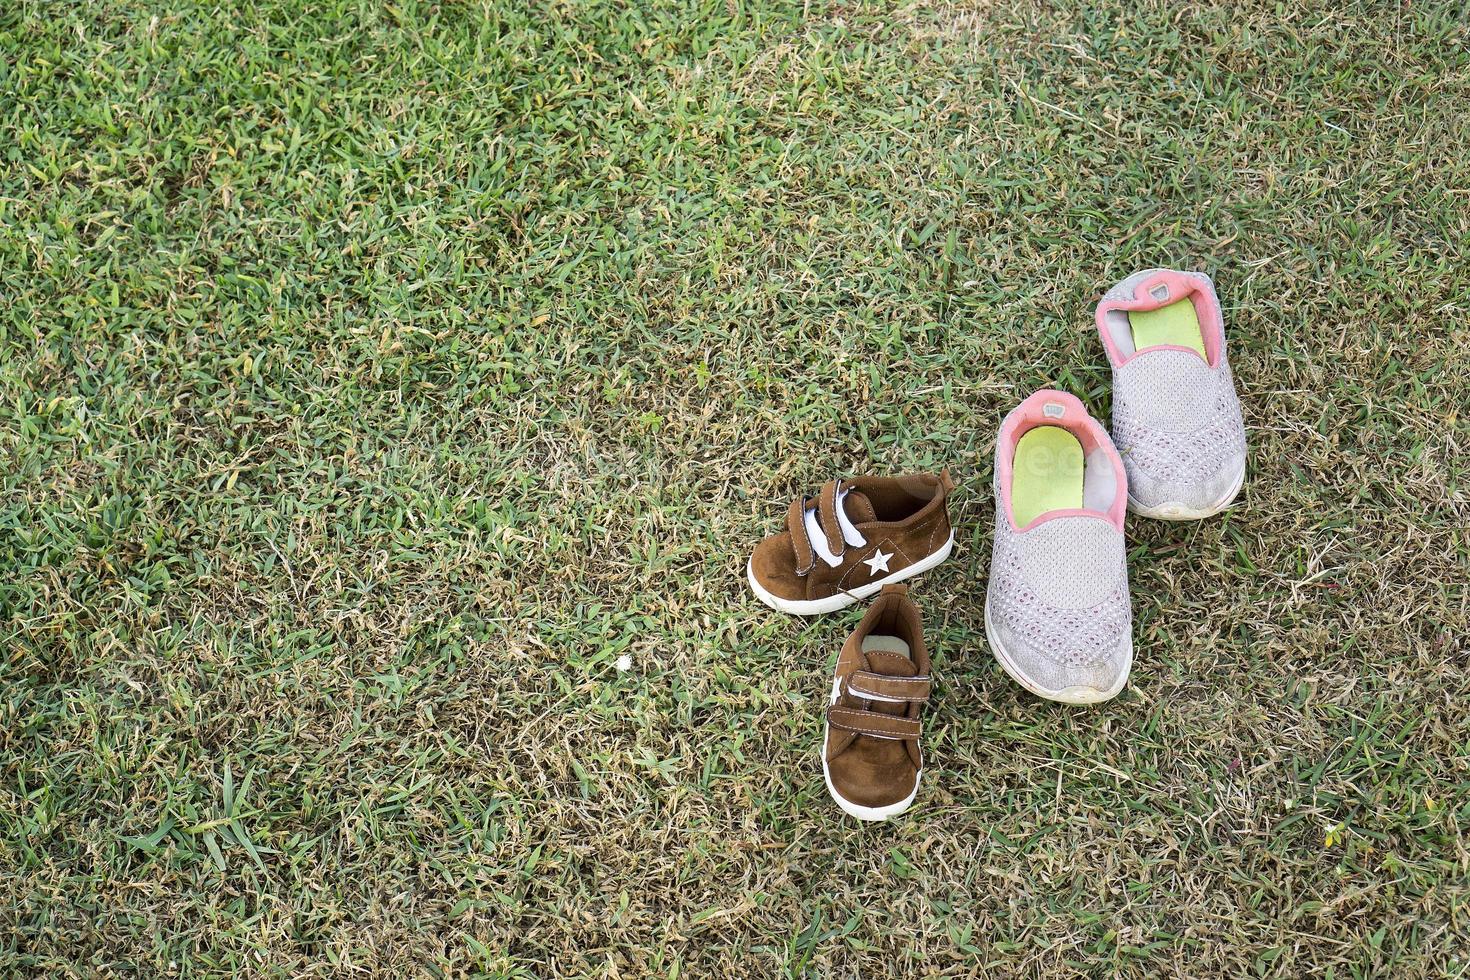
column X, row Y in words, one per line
column 869, row 782
column 773, row 566
column 1077, row 679
column 1188, row 491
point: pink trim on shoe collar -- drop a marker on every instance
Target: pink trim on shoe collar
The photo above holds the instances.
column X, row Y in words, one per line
column 1041, row 409
column 1161, row 289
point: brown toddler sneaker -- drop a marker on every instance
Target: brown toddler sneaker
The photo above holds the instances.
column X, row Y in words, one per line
column 870, row 753
column 853, row 538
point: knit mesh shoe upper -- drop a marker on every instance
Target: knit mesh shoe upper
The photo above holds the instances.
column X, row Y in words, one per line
column 1176, row 418
column 1178, row 426
column 1062, row 590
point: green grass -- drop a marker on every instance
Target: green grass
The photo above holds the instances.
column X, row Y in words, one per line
column 374, row 377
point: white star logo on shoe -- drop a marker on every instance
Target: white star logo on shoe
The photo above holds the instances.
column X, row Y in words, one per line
column 878, row 563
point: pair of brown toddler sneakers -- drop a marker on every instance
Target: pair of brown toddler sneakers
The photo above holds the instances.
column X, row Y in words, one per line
column 858, row 538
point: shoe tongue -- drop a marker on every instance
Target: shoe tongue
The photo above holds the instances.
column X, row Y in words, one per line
column 890, row 664
column 858, row 507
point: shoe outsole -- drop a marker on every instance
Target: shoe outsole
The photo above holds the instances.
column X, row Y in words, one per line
column 815, row 607
column 1079, row 695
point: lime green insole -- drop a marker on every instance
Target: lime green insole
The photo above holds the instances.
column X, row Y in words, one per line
column 1176, row 324
column 1046, row 473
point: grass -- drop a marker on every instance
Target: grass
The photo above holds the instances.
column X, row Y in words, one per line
column 376, row 376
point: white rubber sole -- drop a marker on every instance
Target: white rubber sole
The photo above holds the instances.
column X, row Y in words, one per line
column 1067, row 695
column 872, row 814
column 1174, row 511
column 815, row 607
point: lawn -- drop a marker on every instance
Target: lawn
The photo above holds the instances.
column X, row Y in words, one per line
column 376, row 377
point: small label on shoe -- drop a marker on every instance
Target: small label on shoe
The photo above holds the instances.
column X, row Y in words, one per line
column 1159, row 292
column 1053, row 410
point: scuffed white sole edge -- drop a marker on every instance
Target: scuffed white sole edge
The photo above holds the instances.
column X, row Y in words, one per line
column 1067, row 695
column 1174, row 511
column 870, row 813
column 815, row 607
